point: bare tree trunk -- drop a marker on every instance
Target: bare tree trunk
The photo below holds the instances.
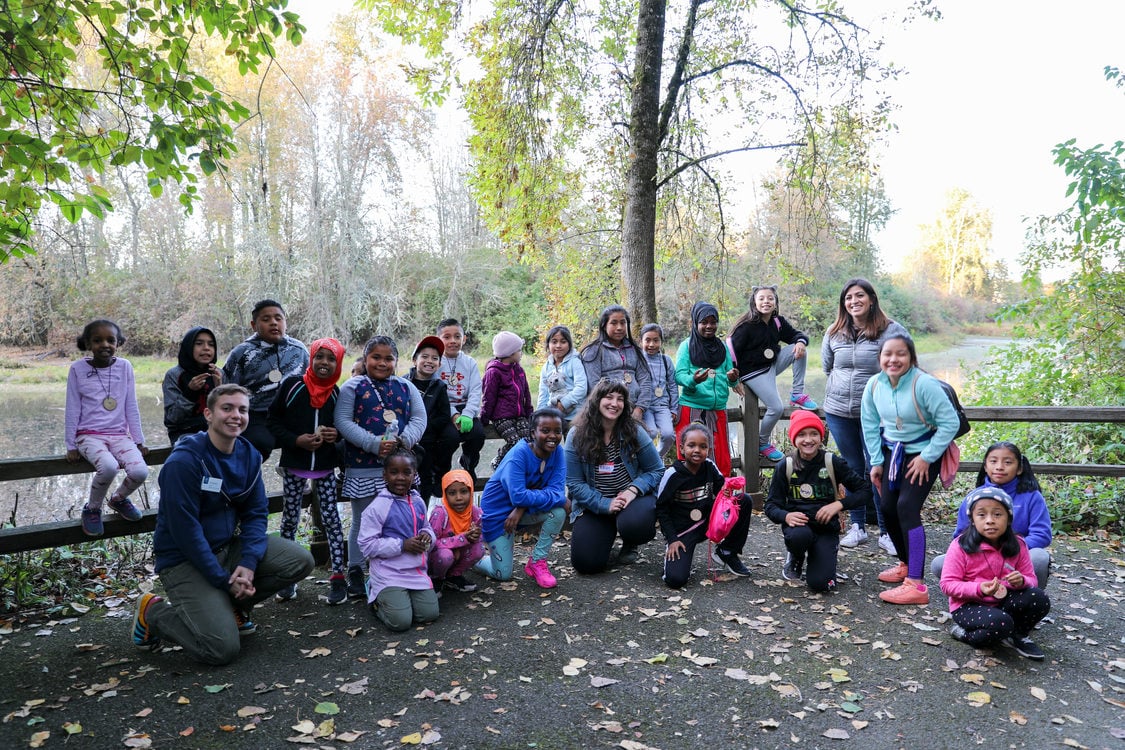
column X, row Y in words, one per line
column 638, row 233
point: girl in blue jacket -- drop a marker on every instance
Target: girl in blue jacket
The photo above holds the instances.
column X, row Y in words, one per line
column 908, row 423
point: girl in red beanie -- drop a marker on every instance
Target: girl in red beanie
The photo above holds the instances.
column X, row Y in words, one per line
column 805, row 499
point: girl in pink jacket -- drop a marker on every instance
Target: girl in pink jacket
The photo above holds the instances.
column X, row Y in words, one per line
column 988, row 577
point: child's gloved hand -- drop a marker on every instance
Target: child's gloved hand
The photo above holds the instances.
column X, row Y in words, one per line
column 464, row 424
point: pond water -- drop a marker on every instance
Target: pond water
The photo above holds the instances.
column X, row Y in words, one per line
column 31, row 425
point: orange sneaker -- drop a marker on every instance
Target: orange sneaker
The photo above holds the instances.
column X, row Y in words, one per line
column 897, row 574
column 908, row 593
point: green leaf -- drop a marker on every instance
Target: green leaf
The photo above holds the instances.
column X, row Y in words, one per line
column 331, row 709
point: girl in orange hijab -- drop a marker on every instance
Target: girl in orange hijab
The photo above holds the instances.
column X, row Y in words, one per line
column 302, row 421
column 457, row 525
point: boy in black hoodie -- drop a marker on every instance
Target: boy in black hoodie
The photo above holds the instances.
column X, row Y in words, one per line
column 441, row 438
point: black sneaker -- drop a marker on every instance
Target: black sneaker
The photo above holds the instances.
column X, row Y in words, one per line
column 287, row 593
column 357, row 583
column 246, row 626
column 460, row 583
column 793, row 568
column 958, row 633
column 831, row 586
column 1025, row 647
column 730, row 561
column 628, row 555
column 338, row 590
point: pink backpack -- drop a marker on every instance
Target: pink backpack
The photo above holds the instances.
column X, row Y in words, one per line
column 724, row 514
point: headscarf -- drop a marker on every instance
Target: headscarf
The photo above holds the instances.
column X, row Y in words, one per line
column 710, row 353
column 321, row 388
column 190, row 368
column 459, row 522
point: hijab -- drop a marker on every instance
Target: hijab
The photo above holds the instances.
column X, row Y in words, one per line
column 190, row 368
column 321, row 388
column 711, row 353
column 463, row 521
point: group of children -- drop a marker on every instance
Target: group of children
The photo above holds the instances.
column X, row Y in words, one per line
column 394, row 436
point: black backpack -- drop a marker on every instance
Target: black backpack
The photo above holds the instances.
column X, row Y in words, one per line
column 963, row 426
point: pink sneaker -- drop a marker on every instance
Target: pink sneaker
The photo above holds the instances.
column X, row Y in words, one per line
column 537, row 569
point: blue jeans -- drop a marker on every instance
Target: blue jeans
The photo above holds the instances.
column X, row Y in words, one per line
column 499, row 561
column 848, row 435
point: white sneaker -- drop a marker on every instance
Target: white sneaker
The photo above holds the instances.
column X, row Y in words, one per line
column 856, row 536
column 887, row 545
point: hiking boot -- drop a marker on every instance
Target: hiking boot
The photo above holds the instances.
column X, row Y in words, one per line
column 337, row 589
column 770, row 453
column 124, row 507
column 887, row 545
column 92, row 521
column 906, row 593
column 287, row 593
column 357, row 583
column 802, row 401
column 730, row 561
column 142, row 633
column 627, row 555
column 246, row 626
column 460, row 583
column 958, row 633
column 1025, row 647
column 897, row 574
column 792, row 569
column 537, row 569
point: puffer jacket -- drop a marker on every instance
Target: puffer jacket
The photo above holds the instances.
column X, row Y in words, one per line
column 849, row 365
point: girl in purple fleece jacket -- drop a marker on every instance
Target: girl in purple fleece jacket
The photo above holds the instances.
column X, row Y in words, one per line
column 394, row 536
column 507, row 398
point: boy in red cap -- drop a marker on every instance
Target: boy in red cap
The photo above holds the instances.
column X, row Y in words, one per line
column 805, row 499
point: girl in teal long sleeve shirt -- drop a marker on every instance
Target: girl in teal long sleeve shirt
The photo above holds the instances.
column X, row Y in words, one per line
column 908, row 423
column 705, row 374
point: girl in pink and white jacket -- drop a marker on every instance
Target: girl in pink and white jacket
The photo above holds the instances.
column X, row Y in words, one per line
column 988, row 576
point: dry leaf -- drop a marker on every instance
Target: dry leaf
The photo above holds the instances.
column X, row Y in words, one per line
column 836, row 734
column 349, row 736
column 318, row 651
column 304, row 727
column 572, row 669
column 39, row 738
column 137, row 740
column 1017, row 718
column 412, row 739
column 600, row 682
column 187, row 732
column 246, row 711
column 978, row 698
column 359, row 687
column 1039, row 693
column 976, row 679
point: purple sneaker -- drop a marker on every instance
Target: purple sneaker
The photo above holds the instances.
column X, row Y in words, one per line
column 92, row 521
column 124, row 507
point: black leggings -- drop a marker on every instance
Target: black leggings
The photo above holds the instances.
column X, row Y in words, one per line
column 1016, row 614
column 591, row 538
column 677, row 572
column 818, row 548
column 259, row 435
column 902, row 512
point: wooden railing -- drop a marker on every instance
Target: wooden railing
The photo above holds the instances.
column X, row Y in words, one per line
column 60, row 533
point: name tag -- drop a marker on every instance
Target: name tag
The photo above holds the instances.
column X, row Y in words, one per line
column 606, row 468
column 211, row 484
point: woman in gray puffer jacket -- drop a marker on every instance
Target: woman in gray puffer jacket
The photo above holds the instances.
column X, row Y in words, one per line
column 850, row 356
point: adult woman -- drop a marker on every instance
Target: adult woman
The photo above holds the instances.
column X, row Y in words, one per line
column 612, row 470
column 850, row 356
column 908, row 423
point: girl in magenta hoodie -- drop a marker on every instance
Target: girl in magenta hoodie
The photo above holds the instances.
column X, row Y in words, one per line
column 506, row 404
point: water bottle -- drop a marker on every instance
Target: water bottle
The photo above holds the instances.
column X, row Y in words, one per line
column 391, row 433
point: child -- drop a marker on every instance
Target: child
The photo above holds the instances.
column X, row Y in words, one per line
column 376, row 414
column 103, row 423
column 457, row 523
column 562, row 382
column 705, row 371
column 435, row 449
column 394, row 536
column 260, row 363
column 756, row 340
column 662, row 418
column 988, row 577
column 805, row 503
column 527, row 489
column 187, row 384
column 507, row 398
column 1006, row 467
column 461, row 375
column 614, row 355
column 302, row 420
column 683, row 508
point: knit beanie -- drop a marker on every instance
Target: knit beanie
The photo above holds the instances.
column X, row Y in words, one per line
column 802, row 419
column 505, row 344
column 989, row 493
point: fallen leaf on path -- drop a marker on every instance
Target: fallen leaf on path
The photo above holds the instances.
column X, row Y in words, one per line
column 414, row 738
column 1039, row 693
column 216, row 688
column 978, row 698
column 359, row 687
column 246, row 711
column 318, row 651
column 72, row 727
column 304, row 727
column 600, row 682
column 836, row 734
column 326, row 707
column 572, row 669
column 349, row 736
column 39, row 738
column 137, row 740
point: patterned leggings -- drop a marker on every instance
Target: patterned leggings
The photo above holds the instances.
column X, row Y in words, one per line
column 513, row 431
column 108, row 453
column 294, row 490
column 1016, row 614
